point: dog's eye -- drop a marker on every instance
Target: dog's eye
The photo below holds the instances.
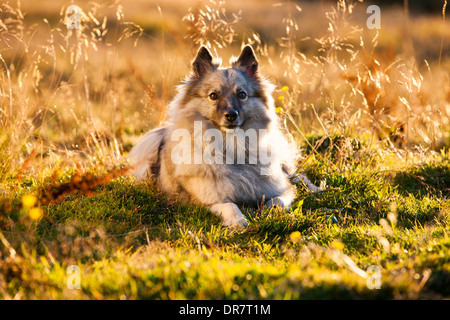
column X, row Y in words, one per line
column 242, row 95
column 213, row 96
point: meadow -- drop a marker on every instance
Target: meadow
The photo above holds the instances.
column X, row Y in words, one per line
column 369, row 109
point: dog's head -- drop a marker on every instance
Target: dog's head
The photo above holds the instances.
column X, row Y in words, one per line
column 228, row 97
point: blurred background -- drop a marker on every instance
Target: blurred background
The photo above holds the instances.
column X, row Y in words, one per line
column 85, row 95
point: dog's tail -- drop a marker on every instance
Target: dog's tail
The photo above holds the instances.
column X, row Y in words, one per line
column 145, row 156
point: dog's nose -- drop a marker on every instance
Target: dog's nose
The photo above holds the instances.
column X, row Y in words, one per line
column 231, row 115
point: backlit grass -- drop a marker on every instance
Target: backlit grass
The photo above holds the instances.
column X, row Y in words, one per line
column 130, row 242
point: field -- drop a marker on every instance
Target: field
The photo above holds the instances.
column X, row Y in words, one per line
column 369, row 108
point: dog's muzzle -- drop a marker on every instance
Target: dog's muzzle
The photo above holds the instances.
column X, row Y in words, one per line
column 231, row 116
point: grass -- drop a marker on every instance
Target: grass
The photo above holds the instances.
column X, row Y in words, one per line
column 130, row 242
column 362, row 104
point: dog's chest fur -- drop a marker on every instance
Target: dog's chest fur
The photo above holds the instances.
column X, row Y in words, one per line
column 222, row 182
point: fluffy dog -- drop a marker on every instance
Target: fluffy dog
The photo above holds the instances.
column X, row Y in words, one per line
column 222, row 145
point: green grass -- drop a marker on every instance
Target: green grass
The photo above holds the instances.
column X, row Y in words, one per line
column 130, row 242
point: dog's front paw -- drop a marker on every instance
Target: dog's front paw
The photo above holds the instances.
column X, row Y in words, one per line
column 278, row 202
column 311, row 187
column 236, row 222
column 231, row 215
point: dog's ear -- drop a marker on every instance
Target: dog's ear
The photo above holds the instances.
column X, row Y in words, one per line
column 247, row 62
column 202, row 62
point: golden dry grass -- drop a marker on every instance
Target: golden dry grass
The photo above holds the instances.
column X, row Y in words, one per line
column 75, row 93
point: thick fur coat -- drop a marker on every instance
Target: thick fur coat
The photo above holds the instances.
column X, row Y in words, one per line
column 221, row 145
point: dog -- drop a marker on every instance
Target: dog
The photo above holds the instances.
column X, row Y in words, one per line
column 222, row 145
